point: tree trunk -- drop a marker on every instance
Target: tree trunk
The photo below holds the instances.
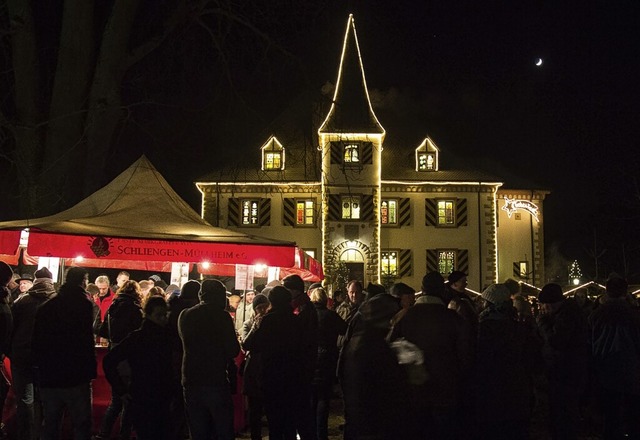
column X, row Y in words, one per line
column 104, row 100
column 25, row 67
column 64, row 156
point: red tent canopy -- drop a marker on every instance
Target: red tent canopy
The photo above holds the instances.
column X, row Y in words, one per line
column 138, row 217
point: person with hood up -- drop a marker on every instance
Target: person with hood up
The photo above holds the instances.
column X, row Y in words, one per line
column 373, row 382
column 506, row 354
column 251, row 384
column 210, row 342
column 24, row 315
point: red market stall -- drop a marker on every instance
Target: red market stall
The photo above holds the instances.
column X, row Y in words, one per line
column 136, row 221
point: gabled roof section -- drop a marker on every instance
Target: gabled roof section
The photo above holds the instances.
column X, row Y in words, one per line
column 272, row 155
column 351, row 110
column 427, row 156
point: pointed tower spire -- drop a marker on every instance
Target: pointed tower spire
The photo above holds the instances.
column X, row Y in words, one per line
column 351, row 110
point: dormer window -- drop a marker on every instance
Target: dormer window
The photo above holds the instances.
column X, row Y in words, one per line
column 272, row 155
column 427, row 156
column 272, row 160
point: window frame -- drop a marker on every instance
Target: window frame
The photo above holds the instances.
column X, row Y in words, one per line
column 305, row 213
column 390, row 201
column 453, row 261
column 250, row 216
column 273, row 167
column 395, row 273
column 453, row 222
column 350, row 199
column 354, row 147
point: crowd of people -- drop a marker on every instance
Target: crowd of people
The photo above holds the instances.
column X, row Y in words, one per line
column 440, row 363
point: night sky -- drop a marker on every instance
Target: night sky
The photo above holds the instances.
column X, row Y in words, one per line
column 463, row 73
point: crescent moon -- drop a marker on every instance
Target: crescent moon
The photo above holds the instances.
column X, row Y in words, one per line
column 539, row 62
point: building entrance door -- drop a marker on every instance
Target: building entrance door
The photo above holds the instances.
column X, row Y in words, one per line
column 356, row 271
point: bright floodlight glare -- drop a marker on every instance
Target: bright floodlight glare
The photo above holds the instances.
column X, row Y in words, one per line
column 576, row 281
column 79, row 259
column 205, row 264
column 260, row 267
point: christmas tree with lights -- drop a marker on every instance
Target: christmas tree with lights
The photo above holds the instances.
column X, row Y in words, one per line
column 575, row 274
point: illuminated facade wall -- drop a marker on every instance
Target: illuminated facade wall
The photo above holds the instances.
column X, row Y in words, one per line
column 383, row 213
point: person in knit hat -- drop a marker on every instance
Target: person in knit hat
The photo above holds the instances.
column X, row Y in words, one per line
column 187, row 298
column 64, row 357
column 563, row 330
column 615, row 337
column 278, row 339
column 308, row 318
column 443, row 337
column 24, row 314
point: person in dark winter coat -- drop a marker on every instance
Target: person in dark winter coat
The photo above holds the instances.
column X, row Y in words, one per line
column 252, row 374
column 149, row 386
column 330, row 326
column 373, row 382
column 188, row 298
column 123, row 317
column 6, row 326
column 506, row 355
column 210, row 342
column 308, row 318
column 615, row 354
column 24, row 314
column 279, row 342
column 443, row 337
column 64, row 356
column 563, row 330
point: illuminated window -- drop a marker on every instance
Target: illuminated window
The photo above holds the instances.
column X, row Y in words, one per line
column 446, row 212
column 446, row 261
column 350, row 207
column 351, row 154
column 310, row 252
column 305, row 212
column 389, row 262
column 389, row 212
column 272, row 160
column 426, row 162
column 250, row 212
column 523, row 271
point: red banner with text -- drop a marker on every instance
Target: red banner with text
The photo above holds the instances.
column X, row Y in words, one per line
column 114, row 248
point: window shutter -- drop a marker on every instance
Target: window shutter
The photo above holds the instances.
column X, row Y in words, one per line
column 335, row 207
column 404, row 212
column 461, row 212
column 431, row 212
column 265, row 212
column 462, row 260
column 336, row 153
column 405, row 263
column 233, row 212
column 366, row 207
column 432, row 260
column 289, row 212
column 367, row 153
